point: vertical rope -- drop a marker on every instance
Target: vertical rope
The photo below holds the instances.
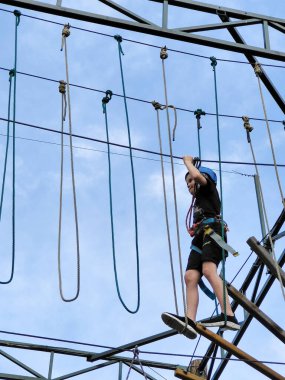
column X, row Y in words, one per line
column 120, row 51
column 12, row 82
column 198, row 113
column 163, row 56
column 106, row 100
column 214, row 64
column 249, row 129
column 258, row 71
column 67, row 104
column 158, row 107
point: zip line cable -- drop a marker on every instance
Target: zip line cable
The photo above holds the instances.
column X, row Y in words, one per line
column 144, row 43
column 12, row 82
column 249, row 129
column 134, row 148
column 137, row 99
column 163, row 56
column 157, row 106
column 66, row 104
column 105, row 101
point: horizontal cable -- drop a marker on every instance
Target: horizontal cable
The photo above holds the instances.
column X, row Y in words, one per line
column 141, row 351
column 144, row 43
column 133, row 148
column 136, row 99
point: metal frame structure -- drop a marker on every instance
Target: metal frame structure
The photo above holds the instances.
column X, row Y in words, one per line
column 142, row 25
column 186, row 34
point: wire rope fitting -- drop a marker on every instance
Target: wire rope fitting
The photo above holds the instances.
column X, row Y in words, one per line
column 163, row 53
column 12, row 73
column 62, row 87
column 213, row 62
column 118, row 38
column 257, row 69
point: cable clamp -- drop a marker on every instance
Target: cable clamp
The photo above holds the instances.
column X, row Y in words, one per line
column 163, row 53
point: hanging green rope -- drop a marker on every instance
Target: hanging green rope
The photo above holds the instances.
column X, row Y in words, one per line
column 12, row 82
column 105, row 100
column 214, row 64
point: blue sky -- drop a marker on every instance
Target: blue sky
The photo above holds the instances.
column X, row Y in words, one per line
column 31, row 303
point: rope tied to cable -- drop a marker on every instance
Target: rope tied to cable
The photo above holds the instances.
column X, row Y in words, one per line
column 120, row 51
column 65, row 33
column 12, row 83
column 257, row 69
column 66, row 104
column 198, row 113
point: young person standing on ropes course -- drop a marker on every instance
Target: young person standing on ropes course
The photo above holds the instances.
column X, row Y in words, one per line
column 205, row 254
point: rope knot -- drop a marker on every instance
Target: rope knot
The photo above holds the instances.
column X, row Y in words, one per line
column 163, row 53
column 66, row 30
column 246, row 124
column 257, row 69
column 157, row 106
column 12, row 73
column 62, row 87
column 108, row 97
column 198, row 113
column 118, row 38
column 213, row 62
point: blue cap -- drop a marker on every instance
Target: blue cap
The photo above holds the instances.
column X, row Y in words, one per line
column 209, row 172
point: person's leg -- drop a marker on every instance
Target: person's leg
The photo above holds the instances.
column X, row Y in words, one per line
column 192, row 278
column 210, row 272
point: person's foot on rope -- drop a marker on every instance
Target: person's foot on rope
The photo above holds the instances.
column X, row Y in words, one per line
column 179, row 323
column 219, row 321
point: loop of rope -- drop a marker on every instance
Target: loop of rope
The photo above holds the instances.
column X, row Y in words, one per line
column 120, row 51
column 173, row 185
column 63, row 88
column 248, row 130
column 12, row 78
column 157, row 106
column 214, row 64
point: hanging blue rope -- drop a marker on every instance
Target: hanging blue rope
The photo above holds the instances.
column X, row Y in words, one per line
column 106, row 100
column 12, row 80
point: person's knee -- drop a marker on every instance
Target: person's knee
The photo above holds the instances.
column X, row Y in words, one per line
column 209, row 270
column 191, row 277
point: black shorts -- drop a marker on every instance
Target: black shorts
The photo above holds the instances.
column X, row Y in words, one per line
column 210, row 250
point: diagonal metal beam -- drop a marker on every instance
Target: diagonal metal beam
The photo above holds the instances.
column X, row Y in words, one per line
column 204, row 28
column 264, row 319
column 126, row 12
column 130, row 346
column 84, row 371
column 7, row 376
column 252, row 60
column 215, row 9
column 147, row 363
column 249, row 318
column 277, row 26
column 22, row 365
column 146, row 29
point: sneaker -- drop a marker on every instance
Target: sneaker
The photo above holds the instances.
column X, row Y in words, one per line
column 219, row 321
column 179, row 323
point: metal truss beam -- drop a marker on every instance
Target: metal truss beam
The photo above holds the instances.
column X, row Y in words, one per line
column 148, row 29
column 249, row 318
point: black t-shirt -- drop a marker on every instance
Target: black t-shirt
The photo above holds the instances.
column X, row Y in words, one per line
column 207, row 201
